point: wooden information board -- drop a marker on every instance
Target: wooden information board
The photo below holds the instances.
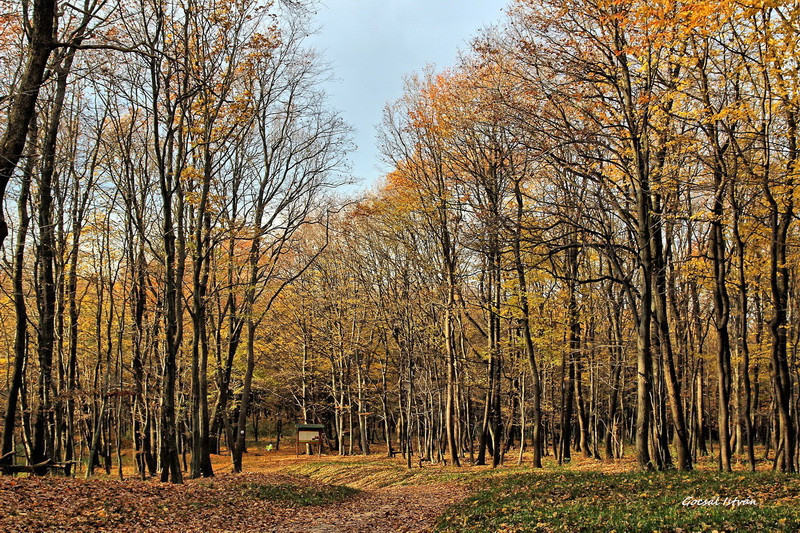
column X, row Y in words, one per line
column 309, row 434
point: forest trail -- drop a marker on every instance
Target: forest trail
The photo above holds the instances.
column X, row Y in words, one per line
column 279, row 492
column 226, row 504
column 402, row 508
column 413, row 505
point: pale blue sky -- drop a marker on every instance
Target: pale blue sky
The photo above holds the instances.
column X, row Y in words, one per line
column 372, row 44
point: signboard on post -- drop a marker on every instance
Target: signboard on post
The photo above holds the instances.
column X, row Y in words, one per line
column 309, row 434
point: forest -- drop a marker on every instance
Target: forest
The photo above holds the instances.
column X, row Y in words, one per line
column 587, row 246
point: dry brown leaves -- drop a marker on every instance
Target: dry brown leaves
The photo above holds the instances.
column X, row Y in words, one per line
column 218, row 504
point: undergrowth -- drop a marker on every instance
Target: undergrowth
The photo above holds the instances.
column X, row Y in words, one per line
column 633, row 501
column 298, row 494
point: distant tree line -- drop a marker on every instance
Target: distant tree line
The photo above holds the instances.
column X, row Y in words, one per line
column 587, row 241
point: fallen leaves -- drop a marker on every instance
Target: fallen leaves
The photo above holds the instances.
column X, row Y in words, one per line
column 219, row 504
column 228, row 502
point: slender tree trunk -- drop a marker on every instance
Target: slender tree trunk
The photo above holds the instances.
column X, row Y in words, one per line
column 452, row 449
column 169, row 459
column 567, row 391
column 23, row 106
column 44, row 425
column 241, row 433
column 744, row 346
column 20, row 309
column 779, row 222
column 526, row 330
column 665, row 342
column 201, row 446
column 644, row 365
column 616, row 351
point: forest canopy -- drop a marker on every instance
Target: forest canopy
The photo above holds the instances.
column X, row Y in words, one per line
column 587, row 240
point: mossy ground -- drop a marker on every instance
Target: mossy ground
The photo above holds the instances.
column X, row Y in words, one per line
column 563, row 500
column 297, row 494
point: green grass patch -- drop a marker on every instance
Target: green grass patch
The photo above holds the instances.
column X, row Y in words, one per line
column 377, row 473
column 299, row 495
column 592, row 501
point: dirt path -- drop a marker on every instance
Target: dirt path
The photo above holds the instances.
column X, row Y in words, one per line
column 403, row 508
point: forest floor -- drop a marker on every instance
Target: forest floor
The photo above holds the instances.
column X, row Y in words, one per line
column 279, row 492
column 283, row 492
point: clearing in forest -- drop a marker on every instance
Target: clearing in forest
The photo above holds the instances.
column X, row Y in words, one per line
column 282, row 492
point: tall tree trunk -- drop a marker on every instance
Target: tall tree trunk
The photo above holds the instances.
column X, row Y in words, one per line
column 744, row 346
column 615, row 353
column 536, row 391
column 201, row 445
column 26, row 93
column 496, row 353
column 44, row 425
column 452, row 449
column 169, row 458
column 20, row 307
column 644, row 366
column 779, row 283
column 665, row 341
column 574, row 326
column 238, row 447
column 241, row 426
column 567, row 392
